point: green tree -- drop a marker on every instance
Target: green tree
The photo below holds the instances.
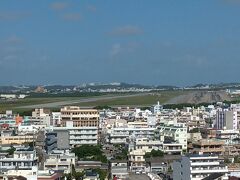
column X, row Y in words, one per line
column 154, row 153
column 236, row 159
column 11, row 150
column 90, row 152
column 102, row 173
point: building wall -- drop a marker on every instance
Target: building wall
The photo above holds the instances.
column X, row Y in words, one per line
column 220, row 119
column 62, row 139
column 80, row 117
column 229, row 119
column 50, row 141
column 181, row 169
column 16, row 139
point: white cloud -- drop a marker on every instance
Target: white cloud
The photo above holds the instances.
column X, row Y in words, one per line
column 126, row 31
column 72, row 16
column 59, row 6
column 116, row 49
column 14, row 40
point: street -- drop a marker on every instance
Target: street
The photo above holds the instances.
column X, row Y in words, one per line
column 138, row 177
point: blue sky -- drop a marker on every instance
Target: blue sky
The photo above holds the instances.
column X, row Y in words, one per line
column 136, row 41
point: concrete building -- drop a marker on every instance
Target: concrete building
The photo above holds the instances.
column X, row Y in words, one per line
column 156, row 109
column 50, row 141
column 228, row 136
column 208, row 147
column 197, row 167
column 125, row 135
column 23, row 159
column 147, row 145
column 17, row 139
column 119, row 169
column 226, row 119
column 40, row 112
column 79, row 117
column 62, row 138
column 61, row 161
column 55, row 119
column 8, row 96
column 74, row 136
column 171, row 133
column 137, row 161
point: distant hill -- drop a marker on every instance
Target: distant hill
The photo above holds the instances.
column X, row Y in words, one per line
column 112, row 87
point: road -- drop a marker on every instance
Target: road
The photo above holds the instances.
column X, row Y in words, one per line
column 138, row 177
column 79, row 100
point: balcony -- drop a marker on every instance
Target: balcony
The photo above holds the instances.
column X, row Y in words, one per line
column 119, row 134
column 83, row 142
column 82, row 132
column 83, row 137
column 136, row 160
column 173, row 150
column 204, row 163
column 16, row 167
column 211, row 149
column 209, row 170
column 118, row 141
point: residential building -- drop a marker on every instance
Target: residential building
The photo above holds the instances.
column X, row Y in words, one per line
column 55, row 119
column 79, row 117
column 61, row 161
column 74, row 136
column 148, row 145
column 23, row 159
column 172, row 133
column 137, row 161
column 17, row 139
column 210, row 146
column 226, row 119
column 156, row 109
column 50, row 141
column 228, row 136
column 197, row 167
column 119, row 169
column 123, row 135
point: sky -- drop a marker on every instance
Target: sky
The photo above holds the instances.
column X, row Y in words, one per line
column 152, row 42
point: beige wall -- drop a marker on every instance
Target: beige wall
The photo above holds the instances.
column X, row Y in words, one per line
column 16, row 139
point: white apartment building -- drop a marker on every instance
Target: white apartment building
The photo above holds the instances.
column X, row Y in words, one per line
column 170, row 134
column 156, row 109
column 55, row 119
column 137, row 124
column 76, row 136
column 124, row 135
column 8, row 96
column 23, row 129
column 60, row 161
column 147, row 145
column 140, row 114
column 226, row 119
column 137, row 160
column 23, row 159
column 119, row 169
column 143, row 145
column 227, row 135
column 197, row 167
column 40, row 113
